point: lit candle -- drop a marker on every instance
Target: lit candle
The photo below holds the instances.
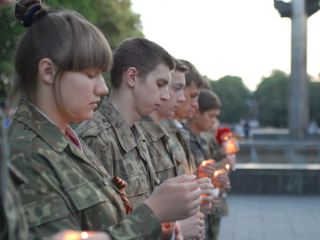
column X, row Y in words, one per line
column 74, row 235
column 227, row 167
column 219, row 172
column 201, row 169
column 231, row 146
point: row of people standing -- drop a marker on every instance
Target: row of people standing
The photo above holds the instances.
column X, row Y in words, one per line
column 65, row 184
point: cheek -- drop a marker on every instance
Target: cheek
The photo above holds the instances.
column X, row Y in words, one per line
column 75, row 95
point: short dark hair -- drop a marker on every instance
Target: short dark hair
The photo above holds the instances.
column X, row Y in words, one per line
column 208, row 100
column 193, row 77
column 180, row 66
column 140, row 53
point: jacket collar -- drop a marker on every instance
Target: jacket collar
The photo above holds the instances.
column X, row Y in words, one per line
column 153, row 129
column 30, row 117
column 121, row 128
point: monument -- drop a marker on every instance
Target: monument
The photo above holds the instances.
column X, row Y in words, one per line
column 298, row 106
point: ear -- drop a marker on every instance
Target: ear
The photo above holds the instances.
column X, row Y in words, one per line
column 132, row 76
column 47, row 70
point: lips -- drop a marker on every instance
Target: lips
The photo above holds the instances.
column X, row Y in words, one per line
column 158, row 105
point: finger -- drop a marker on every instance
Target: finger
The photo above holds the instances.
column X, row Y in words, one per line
column 206, row 198
column 182, row 178
column 191, row 186
column 195, row 194
column 195, row 205
column 206, row 186
column 203, row 180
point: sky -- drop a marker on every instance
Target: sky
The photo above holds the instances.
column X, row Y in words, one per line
column 246, row 38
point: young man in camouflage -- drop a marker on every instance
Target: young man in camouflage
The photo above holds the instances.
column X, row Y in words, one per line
column 167, row 157
column 140, row 77
column 163, row 158
column 203, row 120
column 194, row 82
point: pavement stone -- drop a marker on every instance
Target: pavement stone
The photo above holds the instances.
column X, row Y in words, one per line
column 271, row 217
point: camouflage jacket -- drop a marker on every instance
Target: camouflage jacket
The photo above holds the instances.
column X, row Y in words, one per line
column 13, row 221
column 122, row 151
column 215, row 149
column 159, row 149
column 179, row 147
column 198, row 146
column 16, row 223
column 68, row 188
column 216, row 152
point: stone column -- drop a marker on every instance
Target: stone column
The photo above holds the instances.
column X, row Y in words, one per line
column 298, row 86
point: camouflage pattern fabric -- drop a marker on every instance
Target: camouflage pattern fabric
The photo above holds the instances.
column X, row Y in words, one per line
column 215, row 150
column 122, row 151
column 158, row 145
column 13, row 222
column 179, row 148
column 68, row 188
column 213, row 223
column 198, row 147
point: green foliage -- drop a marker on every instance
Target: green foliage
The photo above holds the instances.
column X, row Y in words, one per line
column 272, row 97
column 116, row 19
column 233, row 95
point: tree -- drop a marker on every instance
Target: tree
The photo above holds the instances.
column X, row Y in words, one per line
column 272, row 97
column 233, row 95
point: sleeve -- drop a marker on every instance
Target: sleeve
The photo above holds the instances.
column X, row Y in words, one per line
column 140, row 224
column 46, row 211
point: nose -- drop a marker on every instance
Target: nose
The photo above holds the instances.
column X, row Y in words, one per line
column 165, row 96
column 101, row 87
column 181, row 97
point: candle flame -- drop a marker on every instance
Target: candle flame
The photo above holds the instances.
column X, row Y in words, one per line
column 227, row 166
column 218, row 172
column 74, row 235
column 84, row 235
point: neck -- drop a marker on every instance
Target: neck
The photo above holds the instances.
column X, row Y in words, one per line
column 50, row 109
column 156, row 116
column 194, row 128
column 125, row 105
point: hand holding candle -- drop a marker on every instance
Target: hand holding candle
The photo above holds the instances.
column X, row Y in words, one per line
column 206, row 187
column 206, row 168
column 221, row 179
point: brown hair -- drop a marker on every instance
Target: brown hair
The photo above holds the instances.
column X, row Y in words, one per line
column 208, row 100
column 180, row 67
column 65, row 37
column 140, row 53
column 193, row 77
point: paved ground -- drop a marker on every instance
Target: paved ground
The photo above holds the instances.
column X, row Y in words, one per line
column 262, row 217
